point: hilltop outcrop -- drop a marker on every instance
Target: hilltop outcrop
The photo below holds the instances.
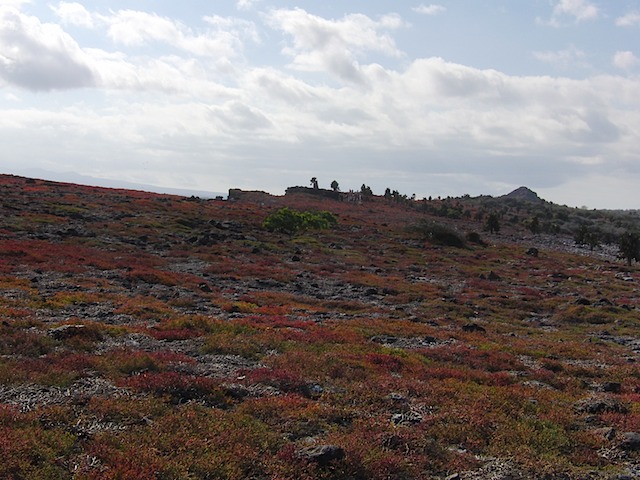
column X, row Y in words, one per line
column 523, row 193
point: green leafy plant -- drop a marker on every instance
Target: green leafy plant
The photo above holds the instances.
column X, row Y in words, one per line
column 289, row 221
column 438, row 233
column 629, row 245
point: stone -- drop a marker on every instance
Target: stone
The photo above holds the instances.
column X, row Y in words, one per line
column 611, row 387
column 66, row 331
column 473, row 327
column 407, row 418
column 608, row 433
column 533, row 251
column 630, row 441
column 600, row 404
column 494, row 277
column 384, row 339
column 603, row 302
column 321, row 454
column 397, row 397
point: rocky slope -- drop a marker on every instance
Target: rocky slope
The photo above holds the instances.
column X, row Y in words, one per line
column 155, row 336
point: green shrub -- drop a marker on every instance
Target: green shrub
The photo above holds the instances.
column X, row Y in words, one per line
column 474, row 237
column 629, row 245
column 438, row 233
column 290, row 221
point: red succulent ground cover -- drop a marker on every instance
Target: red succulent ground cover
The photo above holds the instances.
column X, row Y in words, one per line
column 159, row 337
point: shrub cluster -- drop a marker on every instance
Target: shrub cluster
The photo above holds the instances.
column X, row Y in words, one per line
column 438, row 233
column 286, row 220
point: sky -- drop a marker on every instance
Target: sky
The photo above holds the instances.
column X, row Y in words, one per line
column 432, row 99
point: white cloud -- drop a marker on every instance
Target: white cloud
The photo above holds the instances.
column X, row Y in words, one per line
column 236, row 28
column 182, row 77
column 429, row 9
column 578, row 10
column 335, row 45
column 40, row 56
column 434, row 118
column 187, row 96
column 629, row 20
column 625, row 60
column 246, row 4
column 14, row 3
column 235, row 116
column 11, row 97
column 137, row 28
column 569, row 57
column 212, row 52
column 74, row 14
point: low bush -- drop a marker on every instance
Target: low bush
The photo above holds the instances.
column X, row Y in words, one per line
column 291, row 221
column 474, row 237
column 179, row 388
column 438, row 233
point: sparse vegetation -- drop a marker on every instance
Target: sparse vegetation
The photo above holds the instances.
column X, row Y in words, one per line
column 290, row 221
column 151, row 336
column 493, row 223
column 629, row 245
column 438, row 233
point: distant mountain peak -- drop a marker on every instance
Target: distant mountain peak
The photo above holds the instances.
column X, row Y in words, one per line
column 523, row 193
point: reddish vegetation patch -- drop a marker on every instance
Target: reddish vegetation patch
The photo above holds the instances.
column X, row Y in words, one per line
column 155, row 336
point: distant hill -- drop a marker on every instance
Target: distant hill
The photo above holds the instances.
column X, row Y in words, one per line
column 523, row 193
column 75, row 178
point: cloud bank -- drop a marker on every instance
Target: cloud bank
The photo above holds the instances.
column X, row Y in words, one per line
column 185, row 106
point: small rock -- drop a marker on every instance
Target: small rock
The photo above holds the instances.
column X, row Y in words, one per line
column 315, row 390
column 66, row 331
column 611, row 387
column 603, row 302
column 384, row 339
column 394, row 442
column 409, row 418
column 397, row 397
column 237, row 391
column 630, row 441
column 533, row 251
column 473, row 327
column 597, row 405
column 608, row 433
column 494, row 277
column 321, row 454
